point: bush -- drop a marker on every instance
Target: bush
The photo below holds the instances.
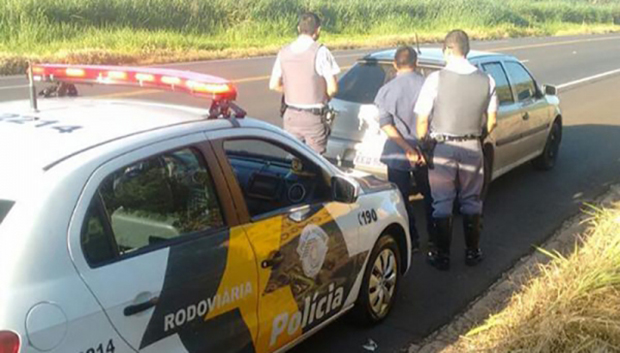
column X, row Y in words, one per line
column 143, row 29
column 572, row 306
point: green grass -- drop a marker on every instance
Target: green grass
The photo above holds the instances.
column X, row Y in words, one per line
column 573, row 305
column 144, row 31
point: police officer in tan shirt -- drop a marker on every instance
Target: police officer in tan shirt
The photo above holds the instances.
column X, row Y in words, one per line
column 305, row 72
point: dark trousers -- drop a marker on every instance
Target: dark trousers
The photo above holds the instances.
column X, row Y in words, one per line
column 403, row 180
column 458, row 173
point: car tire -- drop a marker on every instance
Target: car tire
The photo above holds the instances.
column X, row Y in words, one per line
column 488, row 171
column 380, row 283
column 547, row 160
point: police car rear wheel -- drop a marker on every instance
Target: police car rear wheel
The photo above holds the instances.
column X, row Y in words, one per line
column 380, row 283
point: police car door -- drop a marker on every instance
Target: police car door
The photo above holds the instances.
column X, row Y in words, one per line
column 160, row 248
column 305, row 244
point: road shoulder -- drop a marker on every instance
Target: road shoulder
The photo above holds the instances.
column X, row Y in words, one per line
column 499, row 294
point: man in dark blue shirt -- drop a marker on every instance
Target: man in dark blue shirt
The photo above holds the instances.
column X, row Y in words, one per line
column 396, row 101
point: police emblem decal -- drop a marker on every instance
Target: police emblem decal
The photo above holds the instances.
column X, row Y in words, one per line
column 312, row 249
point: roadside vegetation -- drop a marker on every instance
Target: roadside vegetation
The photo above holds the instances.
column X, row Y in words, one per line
column 573, row 305
column 148, row 31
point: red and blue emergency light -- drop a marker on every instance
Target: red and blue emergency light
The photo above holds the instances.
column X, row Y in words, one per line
column 221, row 91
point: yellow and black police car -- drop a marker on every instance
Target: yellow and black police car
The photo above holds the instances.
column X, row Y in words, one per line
column 135, row 226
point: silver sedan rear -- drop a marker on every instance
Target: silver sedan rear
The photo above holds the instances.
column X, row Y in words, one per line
column 529, row 119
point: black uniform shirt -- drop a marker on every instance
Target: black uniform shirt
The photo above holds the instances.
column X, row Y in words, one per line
column 396, row 100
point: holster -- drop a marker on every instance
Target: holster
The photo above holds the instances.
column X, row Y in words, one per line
column 328, row 116
column 426, row 147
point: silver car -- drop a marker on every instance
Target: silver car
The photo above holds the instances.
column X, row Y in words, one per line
column 529, row 119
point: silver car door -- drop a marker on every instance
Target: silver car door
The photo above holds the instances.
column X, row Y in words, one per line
column 507, row 135
column 533, row 109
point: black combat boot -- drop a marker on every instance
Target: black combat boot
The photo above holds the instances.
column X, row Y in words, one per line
column 439, row 257
column 472, row 226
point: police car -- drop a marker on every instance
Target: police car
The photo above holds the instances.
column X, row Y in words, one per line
column 137, row 226
column 529, row 117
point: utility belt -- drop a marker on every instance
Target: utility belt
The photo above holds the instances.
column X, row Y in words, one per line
column 426, row 146
column 327, row 113
column 314, row 111
column 447, row 138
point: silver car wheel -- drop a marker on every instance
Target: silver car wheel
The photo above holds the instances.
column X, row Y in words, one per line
column 382, row 282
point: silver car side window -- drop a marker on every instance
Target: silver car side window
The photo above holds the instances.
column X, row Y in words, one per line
column 522, row 82
column 502, row 86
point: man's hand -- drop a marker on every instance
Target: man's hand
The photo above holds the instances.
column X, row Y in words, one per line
column 275, row 84
column 414, row 157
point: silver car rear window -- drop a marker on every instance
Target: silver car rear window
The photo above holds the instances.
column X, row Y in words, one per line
column 5, row 207
column 362, row 82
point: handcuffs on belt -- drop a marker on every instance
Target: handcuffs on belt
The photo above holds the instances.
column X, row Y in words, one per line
column 446, row 138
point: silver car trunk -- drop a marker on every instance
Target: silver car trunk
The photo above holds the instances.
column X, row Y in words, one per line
column 353, row 119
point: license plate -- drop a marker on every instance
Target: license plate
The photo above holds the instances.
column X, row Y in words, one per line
column 368, row 161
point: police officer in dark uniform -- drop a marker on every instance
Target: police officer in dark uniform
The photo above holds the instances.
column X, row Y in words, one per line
column 458, row 103
column 305, row 72
column 396, row 101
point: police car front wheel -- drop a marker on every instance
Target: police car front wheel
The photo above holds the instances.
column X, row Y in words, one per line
column 380, row 283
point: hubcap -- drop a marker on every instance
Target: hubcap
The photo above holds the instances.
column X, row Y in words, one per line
column 382, row 282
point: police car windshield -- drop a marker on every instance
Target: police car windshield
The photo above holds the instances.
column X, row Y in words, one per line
column 5, row 207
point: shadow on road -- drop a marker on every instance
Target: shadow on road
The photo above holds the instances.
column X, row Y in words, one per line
column 523, row 209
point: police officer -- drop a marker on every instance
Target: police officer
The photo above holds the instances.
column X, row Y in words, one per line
column 458, row 102
column 305, row 72
column 396, row 101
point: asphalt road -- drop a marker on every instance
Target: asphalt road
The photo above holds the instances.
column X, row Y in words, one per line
column 523, row 208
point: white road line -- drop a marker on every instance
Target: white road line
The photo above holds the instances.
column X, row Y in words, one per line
column 12, row 77
column 525, row 61
column 268, row 57
column 586, row 79
column 13, row 87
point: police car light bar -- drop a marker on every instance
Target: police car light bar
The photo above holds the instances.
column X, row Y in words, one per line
column 220, row 91
column 166, row 79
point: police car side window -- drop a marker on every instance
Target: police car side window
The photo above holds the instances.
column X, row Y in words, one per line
column 522, row 82
column 502, row 87
column 150, row 204
column 273, row 178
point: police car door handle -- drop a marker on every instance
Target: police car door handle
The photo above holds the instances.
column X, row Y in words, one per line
column 299, row 215
column 274, row 260
column 138, row 308
column 525, row 116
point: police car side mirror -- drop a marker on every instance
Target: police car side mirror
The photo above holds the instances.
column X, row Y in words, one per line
column 343, row 190
column 550, row 90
